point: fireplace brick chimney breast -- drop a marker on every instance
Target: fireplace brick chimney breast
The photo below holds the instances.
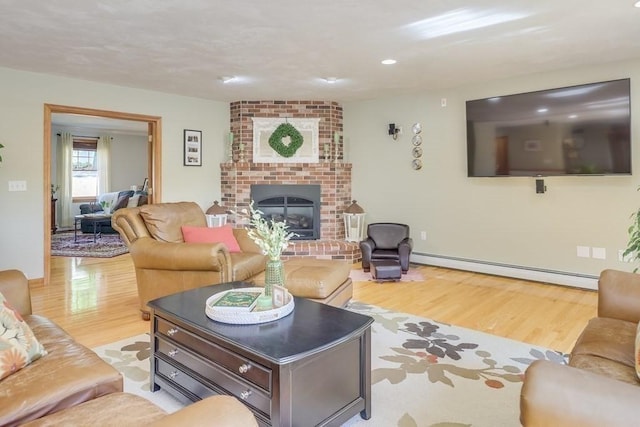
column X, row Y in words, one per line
column 333, row 177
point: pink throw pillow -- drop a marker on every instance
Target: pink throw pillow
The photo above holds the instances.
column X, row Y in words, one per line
column 211, row 235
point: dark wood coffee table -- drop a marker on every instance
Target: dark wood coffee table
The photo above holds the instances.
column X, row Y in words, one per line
column 312, row 367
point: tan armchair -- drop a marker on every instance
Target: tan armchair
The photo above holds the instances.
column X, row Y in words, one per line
column 600, row 386
column 165, row 264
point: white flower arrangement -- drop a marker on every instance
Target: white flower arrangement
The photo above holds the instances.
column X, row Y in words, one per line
column 271, row 236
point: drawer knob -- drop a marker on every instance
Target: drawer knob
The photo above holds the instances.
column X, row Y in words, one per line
column 245, row 394
column 243, row 369
column 171, row 332
column 173, row 375
column 173, row 352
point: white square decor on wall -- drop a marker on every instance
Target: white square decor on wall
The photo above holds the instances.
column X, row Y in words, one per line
column 305, row 151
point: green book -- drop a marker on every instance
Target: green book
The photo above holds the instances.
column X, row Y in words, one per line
column 237, row 301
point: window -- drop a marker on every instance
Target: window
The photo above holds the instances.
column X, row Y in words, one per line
column 84, row 181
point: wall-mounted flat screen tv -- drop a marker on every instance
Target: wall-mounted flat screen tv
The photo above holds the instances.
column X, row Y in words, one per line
column 577, row 130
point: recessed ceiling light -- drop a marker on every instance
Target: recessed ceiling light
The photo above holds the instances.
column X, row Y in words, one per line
column 226, row 79
column 543, row 110
column 389, row 61
column 331, row 80
column 637, row 4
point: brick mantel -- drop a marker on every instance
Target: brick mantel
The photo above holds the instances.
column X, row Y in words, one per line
column 334, row 177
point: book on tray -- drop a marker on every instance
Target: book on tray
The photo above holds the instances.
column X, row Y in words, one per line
column 243, row 301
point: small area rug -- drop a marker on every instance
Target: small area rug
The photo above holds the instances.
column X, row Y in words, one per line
column 424, row 373
column 358, row 275
column 106, row 246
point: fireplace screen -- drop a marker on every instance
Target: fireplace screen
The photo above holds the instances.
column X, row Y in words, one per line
column 298, row 205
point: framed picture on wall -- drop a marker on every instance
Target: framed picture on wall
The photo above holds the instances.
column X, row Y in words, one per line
column 192, row 147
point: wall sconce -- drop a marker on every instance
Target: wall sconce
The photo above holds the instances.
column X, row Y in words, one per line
column 394, row 131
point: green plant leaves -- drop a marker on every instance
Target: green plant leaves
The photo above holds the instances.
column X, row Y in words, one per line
column 282, row 131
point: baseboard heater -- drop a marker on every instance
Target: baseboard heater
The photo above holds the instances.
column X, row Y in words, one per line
column 519, row 272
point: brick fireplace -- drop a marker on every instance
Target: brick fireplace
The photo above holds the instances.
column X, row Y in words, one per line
column 330, row 173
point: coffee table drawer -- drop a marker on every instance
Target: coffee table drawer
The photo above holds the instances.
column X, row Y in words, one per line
column 237, row 365
column 177, row 376
column 229, row 383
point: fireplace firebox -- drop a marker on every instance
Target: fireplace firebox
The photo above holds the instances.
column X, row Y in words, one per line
column 298, row 205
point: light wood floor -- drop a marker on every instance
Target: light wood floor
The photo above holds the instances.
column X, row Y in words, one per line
column 95, row 300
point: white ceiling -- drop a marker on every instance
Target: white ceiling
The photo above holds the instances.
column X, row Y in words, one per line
column 282, row 49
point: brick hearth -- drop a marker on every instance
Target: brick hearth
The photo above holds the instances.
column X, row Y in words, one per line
column 334, row 177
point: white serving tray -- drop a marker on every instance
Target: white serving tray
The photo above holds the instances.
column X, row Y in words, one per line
column 246, row 318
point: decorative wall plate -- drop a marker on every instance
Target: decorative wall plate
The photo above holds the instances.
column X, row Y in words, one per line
column 417, row 128
column 416, row 164
column 416, row 140
column 417, row 152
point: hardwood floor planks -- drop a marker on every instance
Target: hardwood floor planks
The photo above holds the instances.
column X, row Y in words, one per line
column 96, row 301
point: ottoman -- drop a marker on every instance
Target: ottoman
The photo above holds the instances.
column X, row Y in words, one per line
column 385, row 270
column 322, row 280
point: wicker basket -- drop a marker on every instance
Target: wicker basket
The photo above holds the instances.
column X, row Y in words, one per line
column 243, row 317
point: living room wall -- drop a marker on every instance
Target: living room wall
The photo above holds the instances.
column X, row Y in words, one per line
column 496, row 221
column 21, row 131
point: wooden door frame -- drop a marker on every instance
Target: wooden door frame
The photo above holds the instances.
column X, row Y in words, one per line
column 154, row 161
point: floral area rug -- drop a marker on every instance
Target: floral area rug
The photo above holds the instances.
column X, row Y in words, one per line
column 424, row 373
column 106, row 245
column 358, row 275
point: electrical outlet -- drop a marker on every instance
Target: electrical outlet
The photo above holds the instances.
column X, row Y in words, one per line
column 583, row 251
column 423, row 235
column 599, row 253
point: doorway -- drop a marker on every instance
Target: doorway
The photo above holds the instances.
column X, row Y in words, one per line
column 154, row 163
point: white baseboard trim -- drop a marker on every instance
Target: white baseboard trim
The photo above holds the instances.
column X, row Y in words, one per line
column 518, row 272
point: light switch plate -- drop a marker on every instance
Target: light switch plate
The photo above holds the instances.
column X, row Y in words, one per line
column 583, row 251
column 17, row 185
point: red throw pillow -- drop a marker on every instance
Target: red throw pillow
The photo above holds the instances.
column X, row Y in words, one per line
column 211, row 235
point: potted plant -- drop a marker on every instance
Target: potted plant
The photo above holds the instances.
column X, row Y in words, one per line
column 632, row 253
column 106, row 207
column 273, row 238
column 1, row 146
column 54, row 190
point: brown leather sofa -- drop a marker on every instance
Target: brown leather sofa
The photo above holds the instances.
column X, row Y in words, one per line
column 600, row 386
column 129, row 410
column 73, row 386
column 67, row 376
column 165, row 264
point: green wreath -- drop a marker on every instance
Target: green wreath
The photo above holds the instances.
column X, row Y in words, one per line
column 284, row 130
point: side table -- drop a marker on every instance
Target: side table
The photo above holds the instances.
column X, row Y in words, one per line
column 53, row 216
